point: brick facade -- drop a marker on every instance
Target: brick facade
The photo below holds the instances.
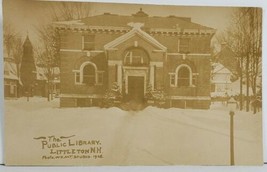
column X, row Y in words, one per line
column 175, row 61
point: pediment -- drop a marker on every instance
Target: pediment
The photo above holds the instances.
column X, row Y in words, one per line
column 132, row 33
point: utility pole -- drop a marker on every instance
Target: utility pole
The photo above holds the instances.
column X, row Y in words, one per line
column 232, row 152
column 232, row 105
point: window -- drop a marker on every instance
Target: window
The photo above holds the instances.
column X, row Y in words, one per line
column 137, row 60
column 88, row 42
column 63, row 41
column 194, row 80
column 136, row 57
column 100, row 77
column 213, row 87
column 183, row 45
column 89, row 74
column 220, row 87
column 172, row 79
column 77, row 77
column 183, row 77
column 12, row 89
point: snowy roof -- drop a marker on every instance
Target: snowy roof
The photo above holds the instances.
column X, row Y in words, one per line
column 6, row 54
column 168, row 22
column 219, row 68
column 225, row 50
column 5, row 51
column 10, row 70
column 10, row 67
column 41, row 72
column 108, row 19
column 227, row 58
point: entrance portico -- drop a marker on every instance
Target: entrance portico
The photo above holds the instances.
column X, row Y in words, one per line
column 135, row 82
column 134, row 72
column 135, row 56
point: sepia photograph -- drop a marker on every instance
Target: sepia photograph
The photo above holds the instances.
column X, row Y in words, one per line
column 117, row 84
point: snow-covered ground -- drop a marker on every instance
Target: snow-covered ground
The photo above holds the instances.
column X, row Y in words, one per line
column 152, row 136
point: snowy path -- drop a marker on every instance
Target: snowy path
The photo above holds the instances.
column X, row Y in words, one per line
column 152, row 136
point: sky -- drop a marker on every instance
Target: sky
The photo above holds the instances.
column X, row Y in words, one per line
column 26, row 15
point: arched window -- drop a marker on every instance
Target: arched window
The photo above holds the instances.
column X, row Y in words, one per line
column 184, row 76
column 89, row 74
column 136, row 57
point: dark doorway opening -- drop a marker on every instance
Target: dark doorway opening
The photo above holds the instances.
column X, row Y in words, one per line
column 136, row 89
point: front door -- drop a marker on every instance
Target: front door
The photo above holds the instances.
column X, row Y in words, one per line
column 136, row 88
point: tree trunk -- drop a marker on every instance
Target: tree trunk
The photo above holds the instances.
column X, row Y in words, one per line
column 247, row 83
column 241, row 84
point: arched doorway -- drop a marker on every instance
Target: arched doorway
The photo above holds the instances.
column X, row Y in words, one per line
column 136, row 57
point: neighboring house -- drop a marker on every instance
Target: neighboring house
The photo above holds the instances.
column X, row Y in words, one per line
column 42, row 84
column 11, row 79
column 33, row 77
column 227, row 58
column 230, row 80
column 220, row 80
column 137, row 52
column 235, row 88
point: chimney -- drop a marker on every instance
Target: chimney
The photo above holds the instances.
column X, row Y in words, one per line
column 140, row 13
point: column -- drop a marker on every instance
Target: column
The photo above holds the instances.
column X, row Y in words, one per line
column 119, row 76
column 151, row 76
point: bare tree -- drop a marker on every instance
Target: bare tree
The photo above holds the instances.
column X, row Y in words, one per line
column 69, row 10
column 256, row 47
column 48, row 52
column 244, row 36
column 13, row 43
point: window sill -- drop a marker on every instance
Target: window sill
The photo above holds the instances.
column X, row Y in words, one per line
column 88, row 85
column 79, row 84
column 90, row 50
column 191, row 86
column 136, row 65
